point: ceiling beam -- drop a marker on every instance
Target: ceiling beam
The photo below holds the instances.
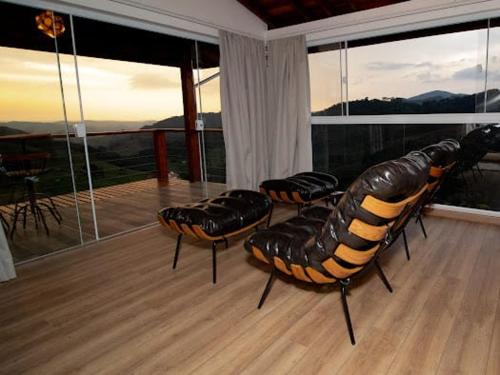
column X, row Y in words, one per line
column 325, row 7
column 256, row 8
column 301, row 9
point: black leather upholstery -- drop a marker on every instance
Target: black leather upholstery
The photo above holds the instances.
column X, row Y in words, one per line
column 444, row 153
column 229, row 212
column 310, row 186
column 312, row 241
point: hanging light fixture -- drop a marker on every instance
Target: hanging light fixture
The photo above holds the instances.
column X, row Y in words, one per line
column 50, row 24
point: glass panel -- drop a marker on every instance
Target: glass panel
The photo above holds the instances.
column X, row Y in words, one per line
column 493, row 93
column 434, row 74
column 37, row 201
column 133, row 104
column 325, row 80
column 347, row 150
column 209, row 110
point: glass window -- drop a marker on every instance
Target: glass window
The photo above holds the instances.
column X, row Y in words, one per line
column 325, row 80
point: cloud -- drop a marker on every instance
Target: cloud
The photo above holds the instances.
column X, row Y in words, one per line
column 379, row 65
column 429, row 77
column 149, row 81
column 471, row 73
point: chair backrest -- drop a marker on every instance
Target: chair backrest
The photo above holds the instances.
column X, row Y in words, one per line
column 359, row 225
column 444, row 156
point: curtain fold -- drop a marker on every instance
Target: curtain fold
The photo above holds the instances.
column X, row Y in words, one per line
column 289, row 101
column 7, row 270
column 244, row 110
column 266, row 113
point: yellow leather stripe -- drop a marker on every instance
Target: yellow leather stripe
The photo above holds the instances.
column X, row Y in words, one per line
column 296, row 197
column 273, row 195
column 285, row 198
column 432, row 185
column 436, row 172
column 367, row 231
column 258, row 254
column 188, row 230
column 353, row 256
column 337, row 270
column 281, row 266
column 388, row 210
column 174, row 225
column 299, row 273
column 318, row 277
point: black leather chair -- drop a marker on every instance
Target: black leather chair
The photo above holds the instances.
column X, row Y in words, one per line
column 444, row 157
column 302, row 189
column 325, row 246
column 217, row 219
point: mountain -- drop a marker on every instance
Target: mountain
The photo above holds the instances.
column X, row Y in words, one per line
column 431, row 102
column 58, row 127
column 211, row 120
column 433, row 96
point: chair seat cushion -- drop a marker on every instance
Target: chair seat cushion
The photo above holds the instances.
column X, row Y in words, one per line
column 227, row 213
column 308, row 185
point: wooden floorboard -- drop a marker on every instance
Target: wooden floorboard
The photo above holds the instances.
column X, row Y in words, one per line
column 119, row 208
column 117, row 307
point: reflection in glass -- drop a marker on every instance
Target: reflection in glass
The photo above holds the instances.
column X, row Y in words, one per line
column 347, row 150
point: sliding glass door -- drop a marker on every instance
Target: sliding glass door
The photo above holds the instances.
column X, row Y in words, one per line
column 41, row 171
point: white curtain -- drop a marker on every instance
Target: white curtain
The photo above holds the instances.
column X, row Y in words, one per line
column 7, row 270
column 244, row 110
column 290, row 109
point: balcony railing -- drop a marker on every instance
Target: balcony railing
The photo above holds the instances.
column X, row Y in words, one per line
column 116, row 157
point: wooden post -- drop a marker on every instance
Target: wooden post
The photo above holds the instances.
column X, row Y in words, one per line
column 189, row 100
column 161, row 155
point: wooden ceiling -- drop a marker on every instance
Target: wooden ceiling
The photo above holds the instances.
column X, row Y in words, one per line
column 281, row 13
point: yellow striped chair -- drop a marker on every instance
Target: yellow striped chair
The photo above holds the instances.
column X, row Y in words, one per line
column 444, row 157
column 324, row 246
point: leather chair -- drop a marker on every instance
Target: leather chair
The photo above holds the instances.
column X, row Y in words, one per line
column 325, row 246
column 217, row 219
column 444, row 157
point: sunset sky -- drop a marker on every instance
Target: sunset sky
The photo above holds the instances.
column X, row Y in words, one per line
column 450, row 62
column 111, row 90
column 124, row 91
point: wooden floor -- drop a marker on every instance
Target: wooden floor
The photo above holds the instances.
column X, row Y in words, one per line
column 119, row 208
column 117, row 307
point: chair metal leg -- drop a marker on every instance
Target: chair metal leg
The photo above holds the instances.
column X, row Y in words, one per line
column 343, row 292
column 479, row 170
column 42, row 219
column 268, row 287
column 17, row 210
column 177, row 250
column 407, row 249
column 214, row 262
column 419, row 219
column 382, row 276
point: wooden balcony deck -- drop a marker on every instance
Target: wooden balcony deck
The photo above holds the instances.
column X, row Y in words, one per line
column 119, row 208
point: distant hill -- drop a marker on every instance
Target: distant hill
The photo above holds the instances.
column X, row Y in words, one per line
column 5, row 130
column 431, row 102
column 58, row 127
column 211, row 120
column 434, row 95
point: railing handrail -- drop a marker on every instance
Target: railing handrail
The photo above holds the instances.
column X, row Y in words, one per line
column 22, row 137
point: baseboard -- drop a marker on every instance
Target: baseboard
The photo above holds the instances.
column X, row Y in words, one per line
column 464, row 213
